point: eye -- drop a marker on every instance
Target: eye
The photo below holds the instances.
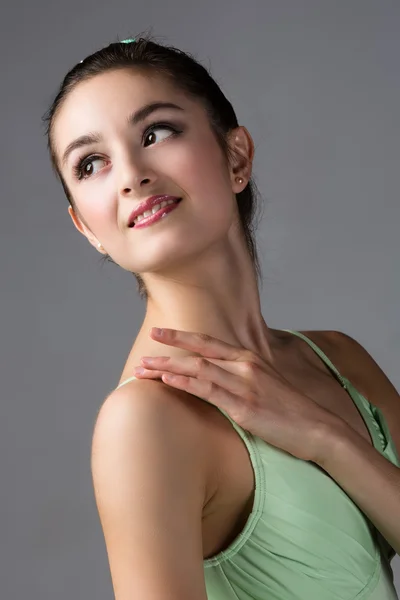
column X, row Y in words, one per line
column 163, row 126
column 80, row 170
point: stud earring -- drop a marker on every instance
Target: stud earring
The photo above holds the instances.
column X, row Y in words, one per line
column 99, row 245
column 239, row 179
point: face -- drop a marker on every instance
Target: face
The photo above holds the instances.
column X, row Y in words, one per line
column 172, row 151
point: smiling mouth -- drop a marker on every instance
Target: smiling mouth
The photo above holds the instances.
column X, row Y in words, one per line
column 150, row 217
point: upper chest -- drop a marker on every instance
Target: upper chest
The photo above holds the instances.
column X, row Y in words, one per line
column 233, row 478
column 311, row 375
column 314, row 378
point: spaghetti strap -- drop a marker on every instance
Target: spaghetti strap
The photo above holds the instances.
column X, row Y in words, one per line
column 126, row 381
column 321, row 354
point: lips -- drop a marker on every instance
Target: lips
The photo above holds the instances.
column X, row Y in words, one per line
column 148, row 205
column 156, row 216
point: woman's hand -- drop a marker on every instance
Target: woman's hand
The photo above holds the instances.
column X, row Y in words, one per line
column 248, row 389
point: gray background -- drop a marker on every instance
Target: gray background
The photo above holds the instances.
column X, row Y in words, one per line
column 317, row 85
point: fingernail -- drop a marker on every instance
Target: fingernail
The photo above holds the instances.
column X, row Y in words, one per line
column 157, row 331
column 139, row 370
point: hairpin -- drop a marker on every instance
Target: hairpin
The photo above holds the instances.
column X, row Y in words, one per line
column 128, row 41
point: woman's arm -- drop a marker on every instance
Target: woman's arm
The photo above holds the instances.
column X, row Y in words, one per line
column 149, row 480
column 371, row 481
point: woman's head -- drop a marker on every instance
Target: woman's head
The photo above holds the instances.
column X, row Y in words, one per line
column 196, row 152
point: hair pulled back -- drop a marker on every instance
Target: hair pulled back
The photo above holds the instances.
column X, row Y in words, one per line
column 186, row 74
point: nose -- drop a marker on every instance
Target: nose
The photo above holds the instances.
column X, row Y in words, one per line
column 134, row 183
column 132, row 176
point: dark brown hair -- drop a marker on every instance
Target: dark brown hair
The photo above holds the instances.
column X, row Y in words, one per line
column 188, row 75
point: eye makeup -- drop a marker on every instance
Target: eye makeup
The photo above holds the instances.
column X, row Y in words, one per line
column 85, row 160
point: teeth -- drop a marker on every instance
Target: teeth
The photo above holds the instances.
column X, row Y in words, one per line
column 153, row 210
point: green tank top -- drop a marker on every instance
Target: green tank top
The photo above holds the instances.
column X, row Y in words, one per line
column 305, row 539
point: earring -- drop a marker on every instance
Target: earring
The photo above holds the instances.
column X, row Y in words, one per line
column 239, row 179
column 99, row 245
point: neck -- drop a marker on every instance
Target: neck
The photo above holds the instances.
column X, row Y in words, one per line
column 218, row 296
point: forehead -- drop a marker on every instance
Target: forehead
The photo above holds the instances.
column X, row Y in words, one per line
column 105, row 100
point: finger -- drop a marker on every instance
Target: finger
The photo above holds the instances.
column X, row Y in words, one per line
column 235, row 367
column 232, row 404
column 200, row 368
column 201, row 343
column 141, row 373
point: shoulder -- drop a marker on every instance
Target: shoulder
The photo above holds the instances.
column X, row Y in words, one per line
column 352, row 360
column 161, row 419
column 361, row 368
column 355, row 362
column 149, row 483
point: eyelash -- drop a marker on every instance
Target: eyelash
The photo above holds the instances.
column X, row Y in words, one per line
column 85, row 160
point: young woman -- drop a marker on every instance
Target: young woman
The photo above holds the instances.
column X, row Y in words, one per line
column 268, row 466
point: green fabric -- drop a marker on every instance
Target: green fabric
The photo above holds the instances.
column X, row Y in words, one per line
column 305, row 539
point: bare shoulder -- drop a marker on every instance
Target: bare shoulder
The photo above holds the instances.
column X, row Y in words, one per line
column 160, row 410
column 355, row 363
column 149, row 477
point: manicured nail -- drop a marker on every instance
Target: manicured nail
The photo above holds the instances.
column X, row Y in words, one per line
column 157, row 331
column 139, row 370
column 168, row 377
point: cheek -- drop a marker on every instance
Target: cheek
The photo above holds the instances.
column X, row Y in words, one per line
column 210, row 201
column 201, row 170
column 96, row 209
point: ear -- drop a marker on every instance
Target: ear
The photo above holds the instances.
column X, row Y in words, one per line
column 81, row 227
column 241, row 163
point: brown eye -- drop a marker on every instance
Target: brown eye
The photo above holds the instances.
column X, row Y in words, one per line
column 84, row 168
column 163, row 126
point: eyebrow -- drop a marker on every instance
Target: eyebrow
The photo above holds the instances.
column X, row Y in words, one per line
column 133, row 119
